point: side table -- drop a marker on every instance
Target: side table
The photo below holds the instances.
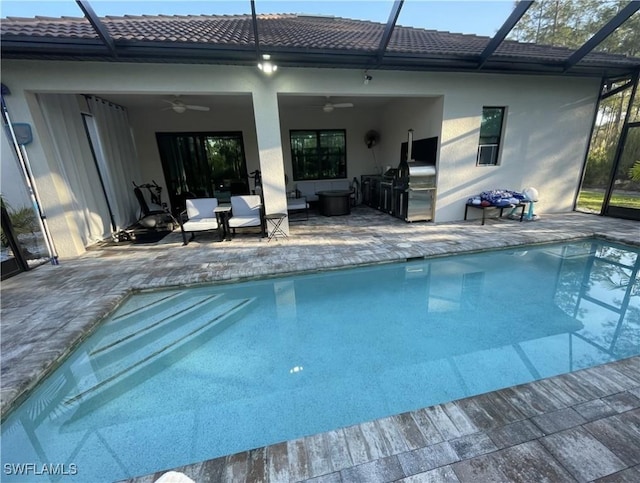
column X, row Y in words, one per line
column 274, row 220
column 223, row 213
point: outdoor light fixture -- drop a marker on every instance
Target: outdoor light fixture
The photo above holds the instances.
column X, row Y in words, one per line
column 267, row 66
column 367, row 79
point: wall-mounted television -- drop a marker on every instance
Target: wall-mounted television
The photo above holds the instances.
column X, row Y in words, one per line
column 424, row 150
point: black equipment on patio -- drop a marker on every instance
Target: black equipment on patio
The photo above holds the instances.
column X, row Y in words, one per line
column 408, row 191
column 154, row 216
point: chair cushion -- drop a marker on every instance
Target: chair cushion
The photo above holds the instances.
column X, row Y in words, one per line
column 200, row 224
column 246, row 205
column 297, row 204
column 201, row 207
column 242, row 221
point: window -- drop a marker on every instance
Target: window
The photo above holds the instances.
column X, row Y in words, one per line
column 319, row 154
column 490, row 136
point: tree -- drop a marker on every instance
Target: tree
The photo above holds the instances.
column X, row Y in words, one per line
column 570, row 23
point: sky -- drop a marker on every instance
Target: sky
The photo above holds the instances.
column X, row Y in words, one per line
column 479, row 17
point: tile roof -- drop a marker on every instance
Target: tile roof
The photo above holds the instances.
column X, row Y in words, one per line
column 286, row 32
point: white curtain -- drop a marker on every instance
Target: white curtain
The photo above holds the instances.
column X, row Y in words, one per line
column 75, row 165
column 120, row 165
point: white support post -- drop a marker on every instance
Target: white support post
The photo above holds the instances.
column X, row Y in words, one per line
column 267, row 119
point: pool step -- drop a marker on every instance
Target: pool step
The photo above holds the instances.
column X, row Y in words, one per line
column 146, row 301
column 185, row 332
column 134, row 325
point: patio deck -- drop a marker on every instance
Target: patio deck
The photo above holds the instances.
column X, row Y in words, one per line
column 578, row 427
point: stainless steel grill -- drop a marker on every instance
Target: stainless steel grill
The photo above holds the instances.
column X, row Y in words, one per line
column 420, row 192
column 414, row 187
column 408, row 191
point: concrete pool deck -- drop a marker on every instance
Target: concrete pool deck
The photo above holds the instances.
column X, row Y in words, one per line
column 579, row 427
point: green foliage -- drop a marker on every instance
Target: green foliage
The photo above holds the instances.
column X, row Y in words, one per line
column 23, row 220
column 491, row 126
column 634, row 171
column 598, row 167
column 592, row 200
column 570, row 23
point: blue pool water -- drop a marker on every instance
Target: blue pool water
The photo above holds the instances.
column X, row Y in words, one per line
column 176, row 377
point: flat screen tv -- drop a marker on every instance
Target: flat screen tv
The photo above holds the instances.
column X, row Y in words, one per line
column 424, row 150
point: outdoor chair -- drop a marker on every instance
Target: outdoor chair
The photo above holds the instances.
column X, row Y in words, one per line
column 200, row 217
column 246, row 211
column 298, row 205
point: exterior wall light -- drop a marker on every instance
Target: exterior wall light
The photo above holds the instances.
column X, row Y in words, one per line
column 367, row 78
column 267, row 66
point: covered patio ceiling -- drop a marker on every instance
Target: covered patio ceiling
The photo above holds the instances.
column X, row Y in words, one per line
column 378, row 46
column 236, row 101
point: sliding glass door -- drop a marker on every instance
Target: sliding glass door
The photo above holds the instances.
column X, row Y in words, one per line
column 203, row 165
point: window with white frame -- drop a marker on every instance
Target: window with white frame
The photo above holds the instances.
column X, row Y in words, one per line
column 490, row 136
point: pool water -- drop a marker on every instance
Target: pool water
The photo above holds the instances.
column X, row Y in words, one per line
column 176, row 377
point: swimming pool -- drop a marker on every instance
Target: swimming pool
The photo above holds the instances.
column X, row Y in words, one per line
column 245, row 365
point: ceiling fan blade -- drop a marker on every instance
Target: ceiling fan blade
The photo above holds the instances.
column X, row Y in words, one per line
column 343, row 104
column 198, row 108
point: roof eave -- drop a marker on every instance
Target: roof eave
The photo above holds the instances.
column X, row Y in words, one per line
column 15, row 47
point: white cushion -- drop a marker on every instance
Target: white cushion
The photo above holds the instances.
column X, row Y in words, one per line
column 308, row 189
column 246, row 205
column 201, row 207
column 297, row 204
column 242, row 221
column 246, row 210
column 324, row 186
column 200, row 224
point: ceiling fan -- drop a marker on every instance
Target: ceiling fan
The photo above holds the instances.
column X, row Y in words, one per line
column 178, row 106
column 330, row 106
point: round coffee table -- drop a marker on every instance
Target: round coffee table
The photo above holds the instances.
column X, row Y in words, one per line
column 334, row 202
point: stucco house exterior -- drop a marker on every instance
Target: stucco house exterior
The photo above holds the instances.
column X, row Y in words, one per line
column 117, row 76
